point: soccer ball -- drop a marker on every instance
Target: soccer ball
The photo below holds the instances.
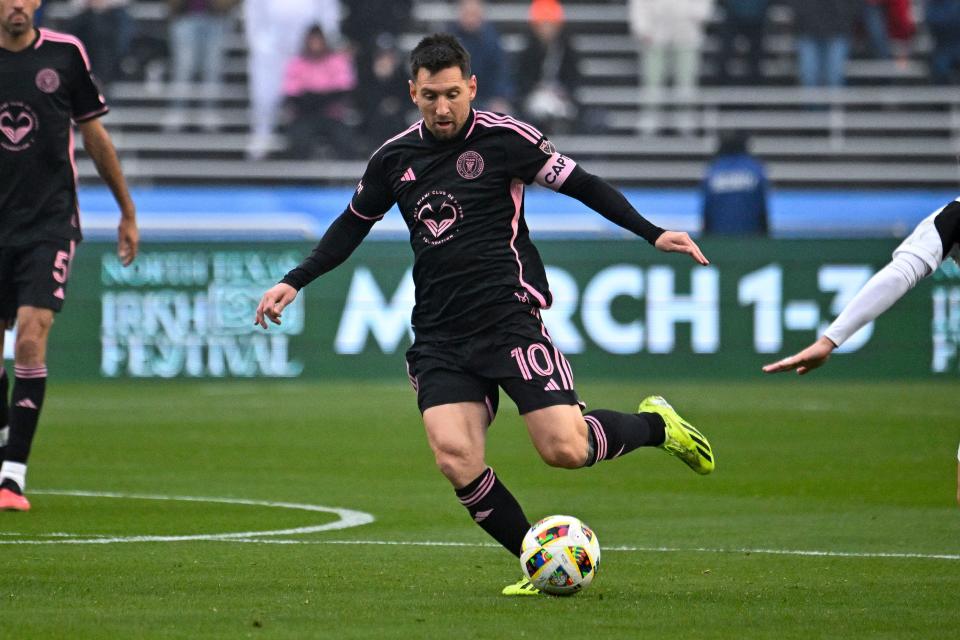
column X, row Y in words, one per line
column 560, row 555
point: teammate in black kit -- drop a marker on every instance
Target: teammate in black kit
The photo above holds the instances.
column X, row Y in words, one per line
column 45, row 87
column 458, row 177
column 934, row 240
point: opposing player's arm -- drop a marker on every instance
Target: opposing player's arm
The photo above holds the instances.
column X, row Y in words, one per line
column 880, row 293
column 947, row 224
column 100, row 148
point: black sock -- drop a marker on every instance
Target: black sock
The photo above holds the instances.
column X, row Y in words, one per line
column 4, row 404
column 29, row 386
column 613, row 434
column 494, row 508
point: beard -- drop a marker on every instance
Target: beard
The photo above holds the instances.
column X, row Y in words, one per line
column 17, row 29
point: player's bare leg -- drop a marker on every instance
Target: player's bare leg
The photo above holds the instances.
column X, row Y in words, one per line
column 569, row 439
column 29, row 387
column 457, row 434
column 559, row 433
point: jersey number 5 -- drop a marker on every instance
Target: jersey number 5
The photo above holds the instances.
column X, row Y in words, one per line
column 61, row 267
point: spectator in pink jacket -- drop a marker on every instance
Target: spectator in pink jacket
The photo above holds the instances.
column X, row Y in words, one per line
column 317, row 87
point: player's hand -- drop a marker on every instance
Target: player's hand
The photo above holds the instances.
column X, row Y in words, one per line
column 680, row 242
column 272, row 304
column 804, row 361
column 128, row 240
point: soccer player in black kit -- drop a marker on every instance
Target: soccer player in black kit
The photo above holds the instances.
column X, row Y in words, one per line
column 45, row 87
column 458, row 177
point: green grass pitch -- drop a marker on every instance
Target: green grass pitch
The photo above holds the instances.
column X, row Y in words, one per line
column 803, row 465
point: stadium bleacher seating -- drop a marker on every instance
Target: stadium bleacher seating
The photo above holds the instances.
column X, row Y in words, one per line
column 888, row 128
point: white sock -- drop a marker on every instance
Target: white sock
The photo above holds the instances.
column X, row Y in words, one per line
column 16, row 471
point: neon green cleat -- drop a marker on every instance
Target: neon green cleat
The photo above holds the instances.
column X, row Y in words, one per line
column 522, row 587
column 683, row 440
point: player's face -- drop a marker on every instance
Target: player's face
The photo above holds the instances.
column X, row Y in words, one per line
column 444, row 100
column 16, row 16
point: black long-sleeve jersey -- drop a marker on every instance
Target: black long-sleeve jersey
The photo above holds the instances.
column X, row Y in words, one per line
column 44, row 89
column 462, row 201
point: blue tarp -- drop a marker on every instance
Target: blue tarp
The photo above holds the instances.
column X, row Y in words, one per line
column 252, row 213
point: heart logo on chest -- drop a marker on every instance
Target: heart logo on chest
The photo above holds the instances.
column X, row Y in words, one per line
column 439, row 221
column 18, row 127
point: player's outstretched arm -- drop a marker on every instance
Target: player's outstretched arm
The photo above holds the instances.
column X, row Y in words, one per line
column 804, row 361
column 97, row 143
column 608, row 201
column 680, row 242
column 272, row 304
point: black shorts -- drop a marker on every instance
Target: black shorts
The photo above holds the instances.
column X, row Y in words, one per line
column 34, row 276
column 517, row 354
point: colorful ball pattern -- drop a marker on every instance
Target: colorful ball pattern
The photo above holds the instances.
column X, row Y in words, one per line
column 560, row 555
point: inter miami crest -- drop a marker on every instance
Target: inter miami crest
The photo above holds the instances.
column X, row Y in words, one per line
column 470, row 164
column 48, row 80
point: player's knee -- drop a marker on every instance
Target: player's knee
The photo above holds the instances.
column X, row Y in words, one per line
column 565, row 454
column 29, row 349
column 455, row 463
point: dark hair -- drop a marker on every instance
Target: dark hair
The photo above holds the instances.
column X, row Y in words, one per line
column 314, row 31
column 733, row 142
column 438, row 52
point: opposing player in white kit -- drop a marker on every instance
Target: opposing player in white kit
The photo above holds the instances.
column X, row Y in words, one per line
column 935, row 239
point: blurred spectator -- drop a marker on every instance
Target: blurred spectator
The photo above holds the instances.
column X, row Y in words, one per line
column 943, row 22
column 106, row 29
column 275, row 32
column 547, row 74
column 671, row 29
column 317, row 86
column 734, row 190
column 198, row 29
column 364, row 25
column 745, row 21
column 383, row 97
column 889, row 27
column 488, row 60
column 367, row 19
column 823, row 30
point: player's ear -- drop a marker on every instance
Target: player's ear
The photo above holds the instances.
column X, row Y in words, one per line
column 472, row 86
column 413, row 91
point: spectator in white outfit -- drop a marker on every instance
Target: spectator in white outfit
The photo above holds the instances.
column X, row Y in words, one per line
column 275, row 32
column 668, row 31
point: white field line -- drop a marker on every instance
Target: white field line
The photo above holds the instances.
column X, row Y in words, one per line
column 350, row 518
column 347, row 518
column 720, row 550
